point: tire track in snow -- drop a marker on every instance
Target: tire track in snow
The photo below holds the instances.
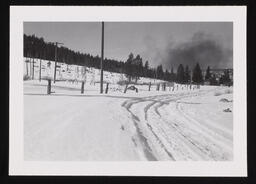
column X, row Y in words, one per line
column 129, row 103
column 143, row 140
column 155, row 99
column 211, row 144
column 211, row 135
column 136, row 120
column 180, row 137
column 156, row 103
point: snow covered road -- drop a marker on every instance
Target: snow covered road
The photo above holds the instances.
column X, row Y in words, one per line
column 182, row 125
column 173, row 134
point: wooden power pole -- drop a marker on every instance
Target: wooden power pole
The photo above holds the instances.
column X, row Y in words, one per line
column 33, row 68
column 33, row 62
column 102, row 58
column 56, row 57
column 40, row 69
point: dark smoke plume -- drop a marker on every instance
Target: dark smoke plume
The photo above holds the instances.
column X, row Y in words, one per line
column 202, row 48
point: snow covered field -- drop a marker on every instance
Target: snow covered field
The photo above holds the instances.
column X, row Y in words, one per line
column 175, row 125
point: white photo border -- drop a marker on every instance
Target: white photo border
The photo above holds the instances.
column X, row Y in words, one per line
column 235, row 14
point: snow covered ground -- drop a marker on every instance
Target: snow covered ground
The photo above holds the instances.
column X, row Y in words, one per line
column 176, row 125
column 74, row 72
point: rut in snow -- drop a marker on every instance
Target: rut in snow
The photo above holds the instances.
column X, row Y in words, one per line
column 170, row 135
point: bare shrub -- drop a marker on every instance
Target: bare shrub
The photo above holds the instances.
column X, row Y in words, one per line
column 122, row 82
column 26, row 77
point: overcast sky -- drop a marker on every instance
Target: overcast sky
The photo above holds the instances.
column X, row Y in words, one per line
column 167, row 43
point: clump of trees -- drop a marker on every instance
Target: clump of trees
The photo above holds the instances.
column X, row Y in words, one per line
column 134, row 67
column 183, row 75
column 225, row 79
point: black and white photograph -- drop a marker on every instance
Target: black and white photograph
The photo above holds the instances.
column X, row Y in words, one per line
column 101, row 91
column 128, row 91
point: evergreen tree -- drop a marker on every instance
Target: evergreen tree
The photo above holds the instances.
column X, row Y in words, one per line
column 180, row 74
column 208, row 74
column 159, row 72
column 187, row 74
column 197, row 74
column 172, row 70
column 172, row 75
column 166, row 75
column 146, row 69
column 128, row 67
column 137, row 67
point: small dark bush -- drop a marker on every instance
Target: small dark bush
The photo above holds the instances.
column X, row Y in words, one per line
column 122, row 82
column 26, row 77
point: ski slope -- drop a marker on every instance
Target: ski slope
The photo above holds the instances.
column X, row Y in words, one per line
column 178, row 124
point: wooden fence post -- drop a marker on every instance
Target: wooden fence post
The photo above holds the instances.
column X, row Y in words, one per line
column 30, row 68
column 157, row 87
column 149, row 86
column 82, row 88
column 49, row 87
column 27, row 66
column 164, row 86
column 106, row 91
column 125, row 88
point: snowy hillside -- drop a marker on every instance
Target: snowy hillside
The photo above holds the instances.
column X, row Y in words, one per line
column 74, row 72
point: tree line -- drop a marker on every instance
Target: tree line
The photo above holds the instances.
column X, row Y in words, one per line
column 133, row 67
column 38, row 48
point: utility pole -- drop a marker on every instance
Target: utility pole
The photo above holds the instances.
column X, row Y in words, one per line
column 42, row 55
column 102, row 58
column 33, row 62
column 33, row 68
column 30, row 65
column 55, row 66
column 40, row 68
